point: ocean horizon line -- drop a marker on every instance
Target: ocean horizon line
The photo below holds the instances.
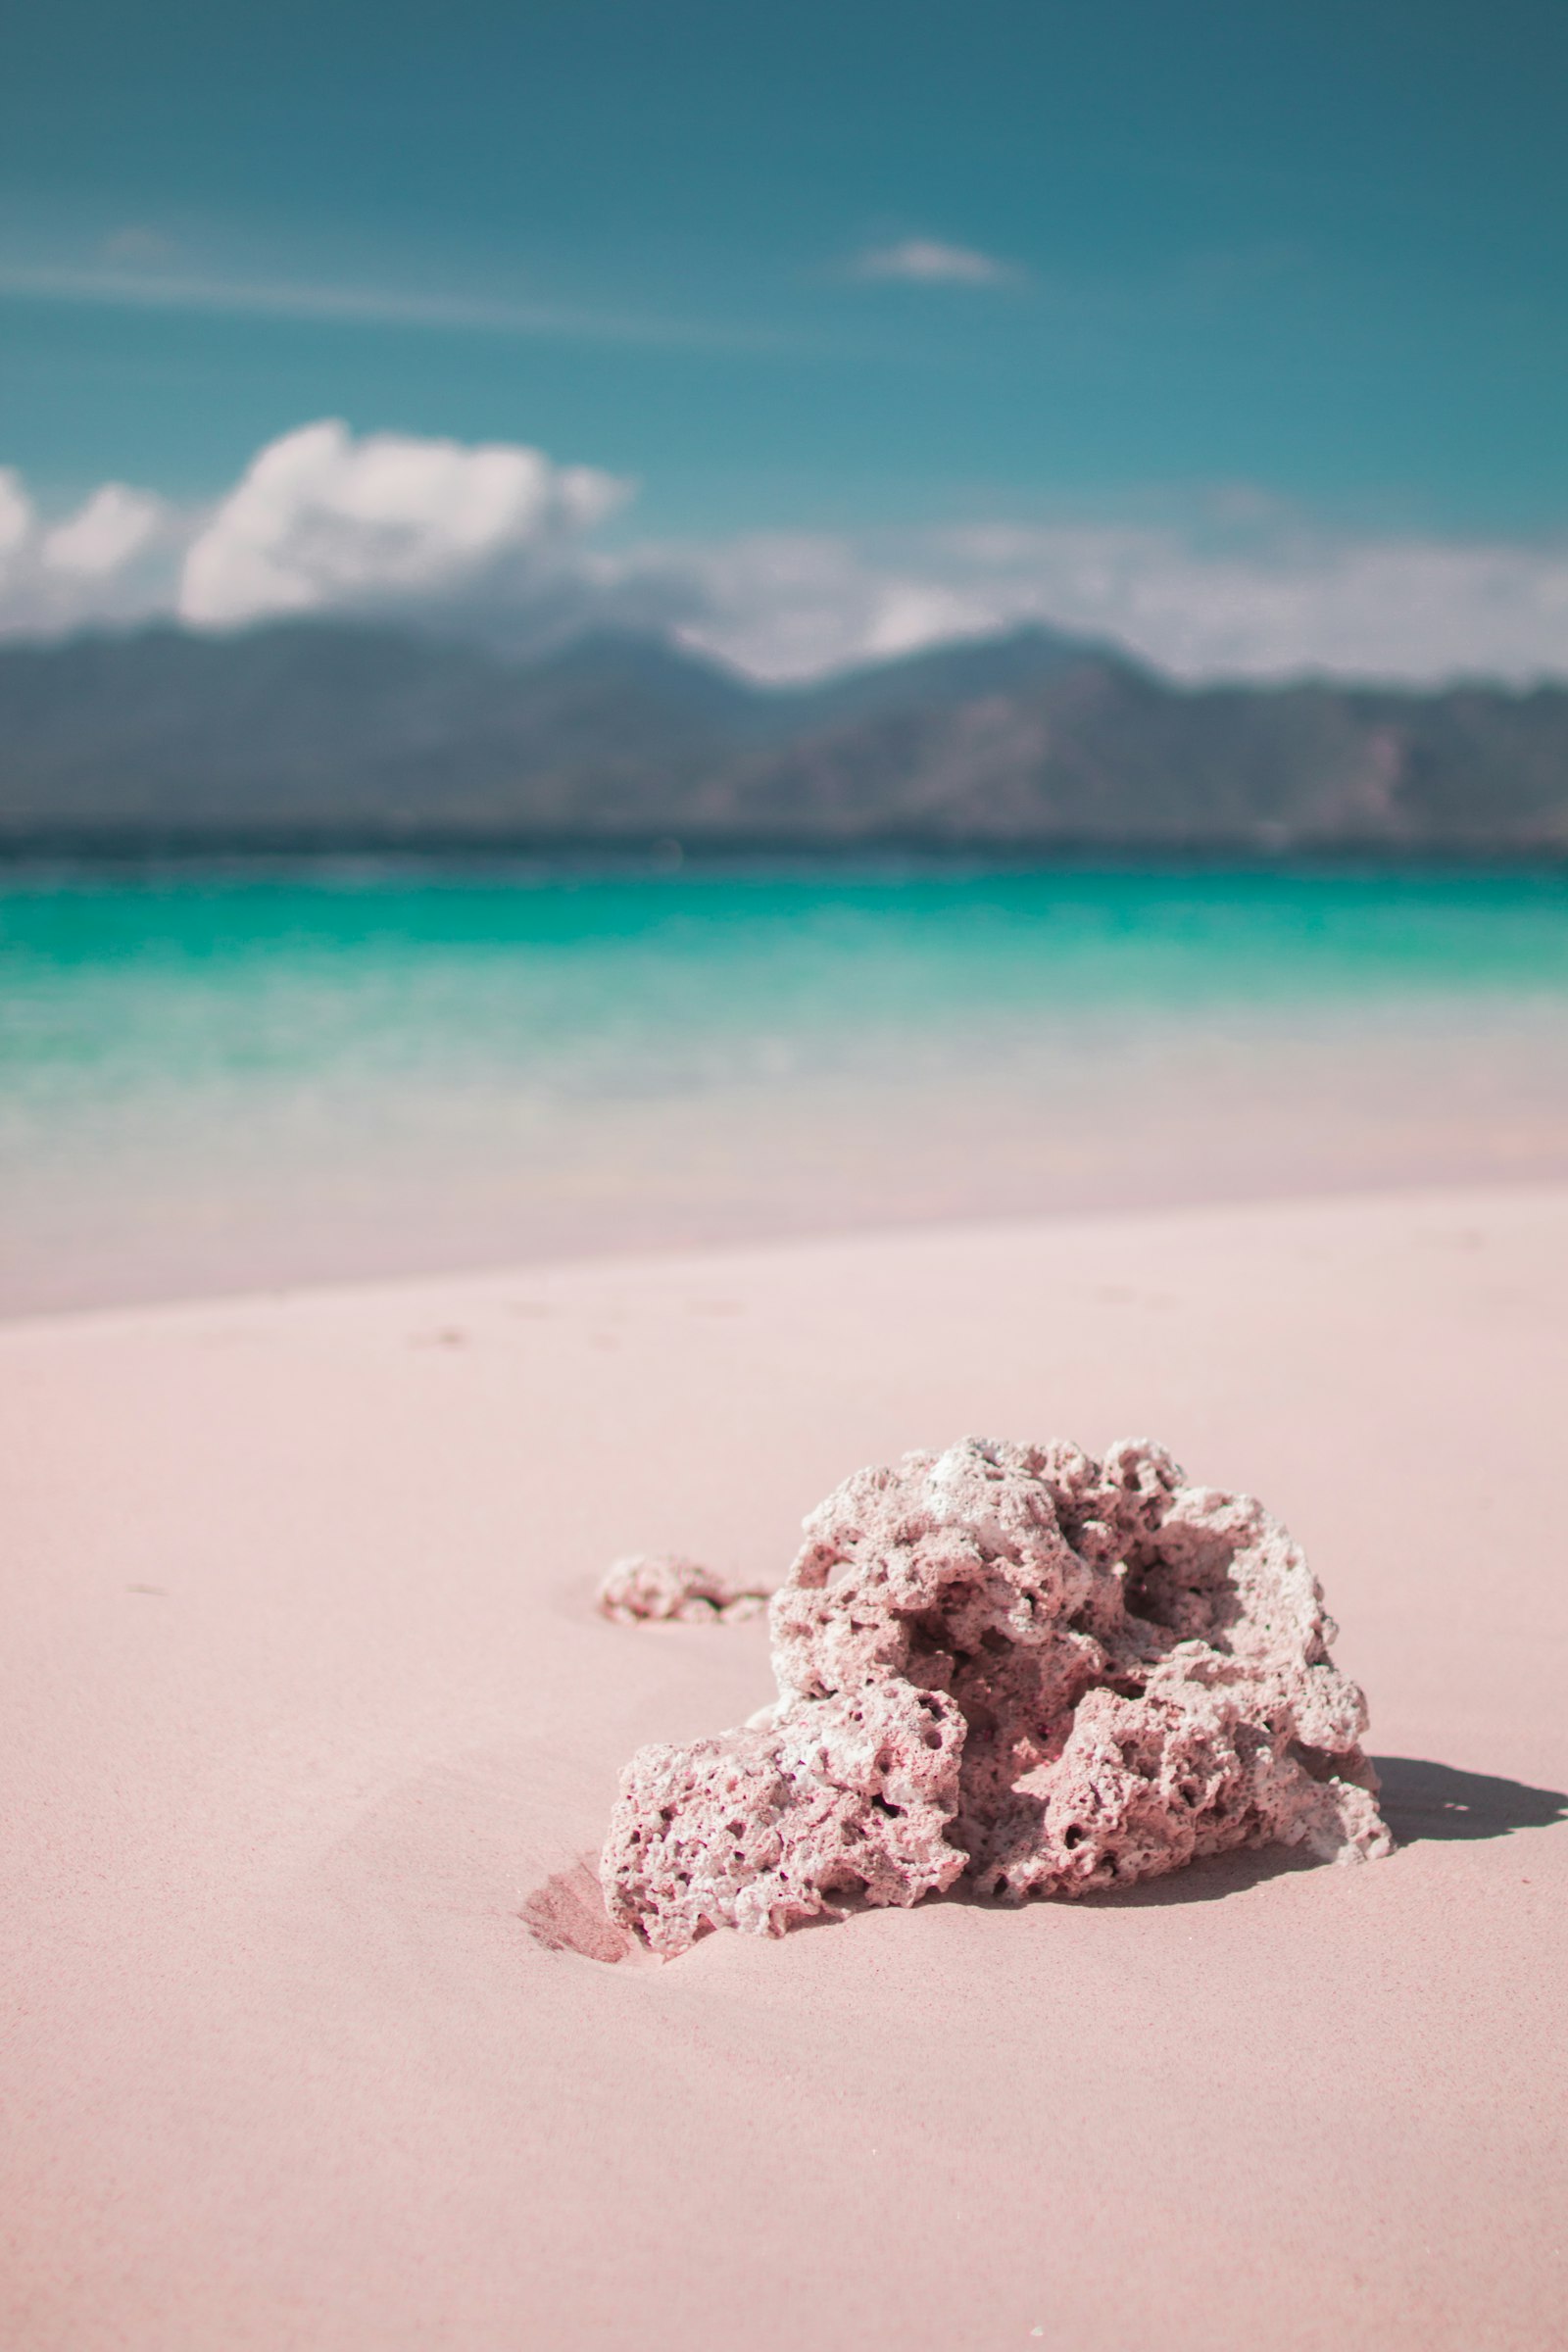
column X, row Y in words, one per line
column 47, row 853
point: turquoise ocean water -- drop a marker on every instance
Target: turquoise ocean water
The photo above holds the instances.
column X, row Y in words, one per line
column 213, row 1078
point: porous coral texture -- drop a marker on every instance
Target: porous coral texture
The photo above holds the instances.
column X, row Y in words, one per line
column 653, row 1586
column 1052, row 1673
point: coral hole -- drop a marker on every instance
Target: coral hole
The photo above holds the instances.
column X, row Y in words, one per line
column 1191, row 1595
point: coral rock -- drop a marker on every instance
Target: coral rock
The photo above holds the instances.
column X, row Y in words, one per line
column 850, row 1795
column 650, row 1587
column 1051, row 1672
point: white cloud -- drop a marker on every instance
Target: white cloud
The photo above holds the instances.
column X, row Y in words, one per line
column 104, row 535
column 1279, row 603
column 321, row 523
column 110, row 560
column 16, row 512
column 794, row 607
column 925, row 260
column 496, row 540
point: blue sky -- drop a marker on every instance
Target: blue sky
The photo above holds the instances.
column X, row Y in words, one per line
column 852, row 268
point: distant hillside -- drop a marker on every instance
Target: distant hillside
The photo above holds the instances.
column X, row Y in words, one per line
column 298, row 735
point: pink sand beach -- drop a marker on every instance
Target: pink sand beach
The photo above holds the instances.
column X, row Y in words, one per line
column 306, row 1700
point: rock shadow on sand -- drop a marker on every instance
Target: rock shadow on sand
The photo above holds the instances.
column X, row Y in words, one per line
column 1208, row 1878
column 1426, row 1801
column 1421, row 1801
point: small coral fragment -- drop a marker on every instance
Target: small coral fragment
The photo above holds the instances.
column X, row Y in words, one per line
column 653, row 1586
column 1014, row 1662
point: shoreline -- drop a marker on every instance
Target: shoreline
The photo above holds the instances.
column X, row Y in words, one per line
column 634, row 1256
column 238, row 1084
column 653, row 854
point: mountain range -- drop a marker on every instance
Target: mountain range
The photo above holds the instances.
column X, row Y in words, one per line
column 303, row 735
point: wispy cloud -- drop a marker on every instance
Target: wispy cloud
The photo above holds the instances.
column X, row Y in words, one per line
column 364, row 306
column 927, row 262
column 135, row 244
